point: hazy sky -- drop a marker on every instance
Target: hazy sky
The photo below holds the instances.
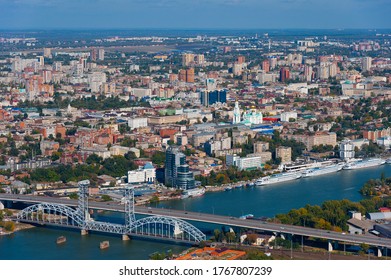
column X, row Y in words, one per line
column 195, row 14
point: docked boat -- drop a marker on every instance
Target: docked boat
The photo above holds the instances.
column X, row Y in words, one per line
column 228, row 189
column 388, row 161
column 322, row 170
column 193, row 192
column 364, row 163
column 278, row 178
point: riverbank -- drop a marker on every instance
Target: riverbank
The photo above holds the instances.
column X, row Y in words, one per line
column 18, row 227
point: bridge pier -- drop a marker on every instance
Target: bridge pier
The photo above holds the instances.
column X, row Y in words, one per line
column 84, row 232
column 125, row 237
column 379, row 252
column 330, row 247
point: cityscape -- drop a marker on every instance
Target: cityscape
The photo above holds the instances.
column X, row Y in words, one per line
column 188, row 143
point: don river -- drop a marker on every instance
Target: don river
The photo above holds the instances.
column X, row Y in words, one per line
column 39, row 243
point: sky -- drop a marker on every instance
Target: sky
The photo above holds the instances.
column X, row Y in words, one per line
column 188, row 14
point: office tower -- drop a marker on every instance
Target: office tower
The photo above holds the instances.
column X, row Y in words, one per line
column 366, row 64
column 284, row 74
column 213, row 97
column 101, row 54
column 265, row 66
column 177, row 172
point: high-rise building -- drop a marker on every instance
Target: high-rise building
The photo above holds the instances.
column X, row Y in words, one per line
column 273, row 62
column 190, row 75
column 241, row 59
column 308, row 73
column 285, row 153
column 346, row 150
column 200, row 59
column 47, row 52
column 213, row 97
column 182, row 75
column 177, row 172
column 211, row 84
column 187, row 59
column 265, row 66
column 41, row 60
column 93, row 54
column 366, row 64
column 101, row 54
column 284, row 74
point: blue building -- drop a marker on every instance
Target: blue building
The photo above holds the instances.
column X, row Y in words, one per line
column 177, row 172
column 213, row 97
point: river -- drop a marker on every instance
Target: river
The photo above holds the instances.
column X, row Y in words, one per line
column 39, row 243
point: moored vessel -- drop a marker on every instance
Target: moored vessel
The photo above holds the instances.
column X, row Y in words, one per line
column 322, row 170
column 278, row 178
column 364, row 163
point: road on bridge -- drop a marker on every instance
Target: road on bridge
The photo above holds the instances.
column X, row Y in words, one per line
column 214, row 219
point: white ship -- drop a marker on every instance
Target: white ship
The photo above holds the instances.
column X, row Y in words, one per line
column 193, row 192
column 364, row 163
column 388, row 161
column 278, row 178
column 322, row 170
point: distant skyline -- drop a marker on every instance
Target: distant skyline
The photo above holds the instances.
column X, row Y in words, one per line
column 211, row 14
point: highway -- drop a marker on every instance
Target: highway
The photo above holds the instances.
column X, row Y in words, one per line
column 215, row 219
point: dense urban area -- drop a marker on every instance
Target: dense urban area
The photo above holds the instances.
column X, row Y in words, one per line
column 177, row 116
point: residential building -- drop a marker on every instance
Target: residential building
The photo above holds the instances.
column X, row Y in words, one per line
column 285, row 153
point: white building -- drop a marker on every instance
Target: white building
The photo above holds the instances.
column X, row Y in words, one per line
column 251, row 162
column 134, row 123
column 236, row 118
column 346, row 150
column 384, row 141
column 288, row 115
column 96, row 80
column 145, row 174
column 141, row 92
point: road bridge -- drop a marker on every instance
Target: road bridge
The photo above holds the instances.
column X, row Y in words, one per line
column 214, row 219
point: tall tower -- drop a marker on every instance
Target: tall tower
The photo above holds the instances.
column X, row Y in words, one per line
column 366, row 64
column 236, row 113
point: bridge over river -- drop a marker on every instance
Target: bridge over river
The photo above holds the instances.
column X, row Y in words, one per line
column 164, row 223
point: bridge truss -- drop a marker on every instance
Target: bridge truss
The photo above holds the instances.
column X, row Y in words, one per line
column 153, row 226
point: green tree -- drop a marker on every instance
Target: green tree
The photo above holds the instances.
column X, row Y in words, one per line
column 106, row 197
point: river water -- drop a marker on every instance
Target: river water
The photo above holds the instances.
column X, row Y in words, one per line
column 39, row 243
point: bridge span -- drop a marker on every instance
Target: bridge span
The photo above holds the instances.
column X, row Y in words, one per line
column 214, row 219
